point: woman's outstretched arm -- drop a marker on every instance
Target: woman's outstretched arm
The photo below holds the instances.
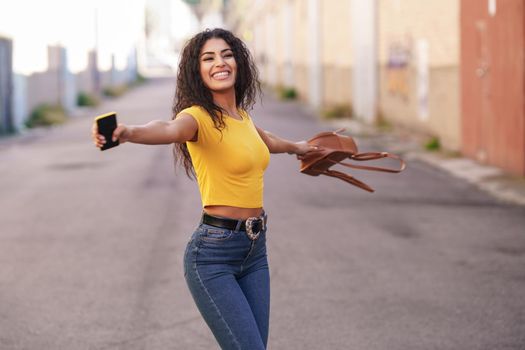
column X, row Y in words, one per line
column 183, row 128
column 277, row 144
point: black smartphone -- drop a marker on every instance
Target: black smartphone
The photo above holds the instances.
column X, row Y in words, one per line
column 107, row 123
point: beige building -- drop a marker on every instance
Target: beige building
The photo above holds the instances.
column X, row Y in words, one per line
column 396, row 59
column 419, row 66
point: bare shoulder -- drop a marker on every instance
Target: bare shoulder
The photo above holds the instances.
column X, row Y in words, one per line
column 187, row 126
column 183, row 115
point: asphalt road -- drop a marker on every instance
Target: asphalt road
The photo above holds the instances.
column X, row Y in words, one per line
column 91, row 247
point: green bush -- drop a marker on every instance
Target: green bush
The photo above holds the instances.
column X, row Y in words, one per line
column 46, row 115
column 115, row 91
column 433, row 144
column 382, row 123
column 140, row 79
column 338, row 111
column 286, row 92
column 85, row 99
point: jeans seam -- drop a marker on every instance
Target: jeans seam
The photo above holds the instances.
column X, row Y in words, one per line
column 244, row 273
column 252, row 245
column 236, row 342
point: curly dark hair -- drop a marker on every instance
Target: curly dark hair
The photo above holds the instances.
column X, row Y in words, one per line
column 191, row 91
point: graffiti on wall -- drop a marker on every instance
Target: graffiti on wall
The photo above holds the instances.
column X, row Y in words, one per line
column 398, row 63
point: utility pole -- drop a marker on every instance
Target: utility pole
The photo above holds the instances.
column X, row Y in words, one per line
column 95, row 73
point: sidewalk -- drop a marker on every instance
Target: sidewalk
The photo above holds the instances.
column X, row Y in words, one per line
column 501, row 185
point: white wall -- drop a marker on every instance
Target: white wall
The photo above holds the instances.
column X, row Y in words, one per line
column 314, row 54
column 364, row 47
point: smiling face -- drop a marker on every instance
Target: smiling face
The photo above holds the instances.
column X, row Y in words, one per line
column 217, row 65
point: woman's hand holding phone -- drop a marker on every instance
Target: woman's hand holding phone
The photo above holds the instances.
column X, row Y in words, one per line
column 107, row 134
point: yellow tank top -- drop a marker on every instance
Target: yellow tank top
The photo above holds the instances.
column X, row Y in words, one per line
column 229, row 165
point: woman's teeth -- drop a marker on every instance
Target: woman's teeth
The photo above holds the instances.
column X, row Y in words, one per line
column 221, row 75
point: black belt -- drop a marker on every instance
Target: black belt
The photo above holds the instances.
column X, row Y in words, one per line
column 257, row 224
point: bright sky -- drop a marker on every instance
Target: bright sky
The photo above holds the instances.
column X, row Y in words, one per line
column 183, row 20
column 34, row 24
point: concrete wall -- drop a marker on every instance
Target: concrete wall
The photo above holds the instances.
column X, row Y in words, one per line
column 296, row 45
column 401, row 107
column 6, row 85
column 364, row 48
column 419, row 66
column 20, row 107
column 394, row 58
column 58, row 85
column 337, row 56
column 42, row 88
column 300, row 48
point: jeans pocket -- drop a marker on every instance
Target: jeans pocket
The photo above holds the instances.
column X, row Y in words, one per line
column 215, row 234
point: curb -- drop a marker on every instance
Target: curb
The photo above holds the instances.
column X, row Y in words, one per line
column 493, row 180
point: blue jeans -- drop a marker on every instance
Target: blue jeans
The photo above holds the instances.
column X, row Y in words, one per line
column 228, row 277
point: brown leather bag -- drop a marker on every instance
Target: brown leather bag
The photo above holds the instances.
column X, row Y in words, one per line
column 333, row 148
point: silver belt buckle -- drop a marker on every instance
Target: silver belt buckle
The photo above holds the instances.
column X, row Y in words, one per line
column 249, row 227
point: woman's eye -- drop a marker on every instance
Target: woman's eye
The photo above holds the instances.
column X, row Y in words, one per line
column 228, row 55
column 208, row 59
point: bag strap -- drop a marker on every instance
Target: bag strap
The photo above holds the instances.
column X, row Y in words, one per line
column 371, row 156
column 350, row 179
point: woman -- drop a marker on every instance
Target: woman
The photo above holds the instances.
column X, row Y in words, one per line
column 225, row 263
